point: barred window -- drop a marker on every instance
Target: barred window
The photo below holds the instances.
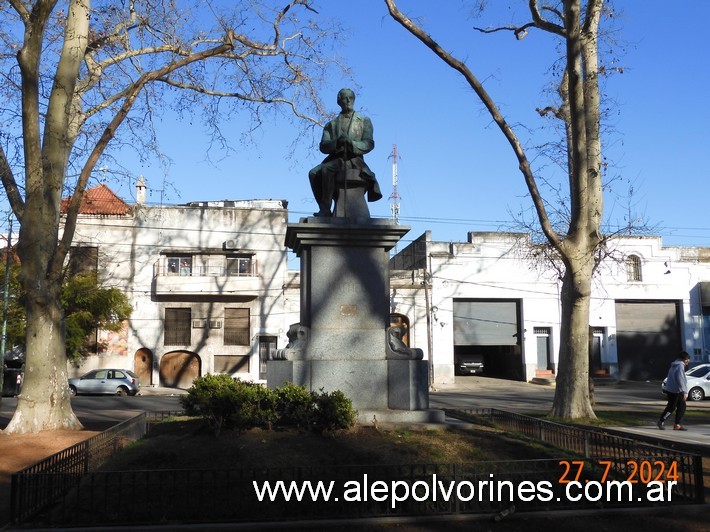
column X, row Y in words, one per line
column 236, row 326
column 178, row 326
column 633, row 268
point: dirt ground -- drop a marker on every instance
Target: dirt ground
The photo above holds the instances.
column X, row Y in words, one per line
column 18, row 451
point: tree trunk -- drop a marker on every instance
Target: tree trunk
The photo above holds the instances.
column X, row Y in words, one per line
column 44, row 403
column 572, row 391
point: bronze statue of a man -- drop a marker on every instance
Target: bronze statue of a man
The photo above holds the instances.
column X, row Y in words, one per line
column 345, row 140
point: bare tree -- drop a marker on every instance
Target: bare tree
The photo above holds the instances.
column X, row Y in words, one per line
column 576, row 24
column 76, row 71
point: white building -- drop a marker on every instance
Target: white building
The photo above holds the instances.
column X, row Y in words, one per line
column 211, row 293
column 205, row 279
column 489, row 296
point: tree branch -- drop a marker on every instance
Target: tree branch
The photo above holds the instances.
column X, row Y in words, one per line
column 109, row 132
column 541, row 22
column 240, row 96
column 18, row 6
column 475, row 84
column 8, row 180
column 519, row 31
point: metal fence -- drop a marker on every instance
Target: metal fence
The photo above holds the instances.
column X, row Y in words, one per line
column 39, row 485
column 202, row 496
column 628, row 458
column 89, row 497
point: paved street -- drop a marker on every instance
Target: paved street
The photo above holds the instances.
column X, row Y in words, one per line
column 98, row 413
column 101, row 412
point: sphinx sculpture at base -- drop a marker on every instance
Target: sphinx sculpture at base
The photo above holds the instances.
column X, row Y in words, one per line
column 297, row 342
column 397, row 349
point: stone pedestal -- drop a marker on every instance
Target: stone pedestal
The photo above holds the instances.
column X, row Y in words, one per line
column 341, row 341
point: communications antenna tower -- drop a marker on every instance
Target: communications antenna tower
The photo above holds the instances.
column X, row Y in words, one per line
column 394, row 197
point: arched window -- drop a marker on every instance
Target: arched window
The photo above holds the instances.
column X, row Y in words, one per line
column 633, row 268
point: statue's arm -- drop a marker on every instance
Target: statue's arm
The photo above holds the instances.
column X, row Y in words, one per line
column 328, row 142
column 365, row 144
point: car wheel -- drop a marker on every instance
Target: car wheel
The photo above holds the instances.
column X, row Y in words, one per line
column 696, row 394
column 121, row 391
column 72, row 390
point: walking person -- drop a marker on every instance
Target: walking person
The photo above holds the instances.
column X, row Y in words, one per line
column 677, row 391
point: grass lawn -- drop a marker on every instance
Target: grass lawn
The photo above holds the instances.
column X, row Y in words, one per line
column 187, row 443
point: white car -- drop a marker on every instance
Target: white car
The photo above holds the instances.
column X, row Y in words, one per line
column 106, row 381
column 698, row 382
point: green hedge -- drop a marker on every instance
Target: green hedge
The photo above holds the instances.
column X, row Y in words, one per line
column 228, row 403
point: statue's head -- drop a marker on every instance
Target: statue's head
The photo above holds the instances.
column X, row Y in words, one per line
column 346, row 99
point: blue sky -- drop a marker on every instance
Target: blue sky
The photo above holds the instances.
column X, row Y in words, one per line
column 456, row 172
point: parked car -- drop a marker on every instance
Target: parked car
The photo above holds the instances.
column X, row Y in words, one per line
column 698, row 382
column 106, row 381
column 469, row 365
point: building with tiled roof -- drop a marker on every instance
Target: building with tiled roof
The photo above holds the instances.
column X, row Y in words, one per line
column 204, row 279
column 99, row 201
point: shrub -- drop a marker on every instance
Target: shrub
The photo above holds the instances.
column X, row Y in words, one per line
column 334, row 411
column 295, row 406
column 255, row 406
column 213, row 398
column 224, row 402
column 228, row 403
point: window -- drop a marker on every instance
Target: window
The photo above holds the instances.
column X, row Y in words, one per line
column 633, row 268
column 239, row 266
column 231, row 364
column 177, row 326
column 236, row 326
column 267, row 345
column 700, row 371
column 179, row 265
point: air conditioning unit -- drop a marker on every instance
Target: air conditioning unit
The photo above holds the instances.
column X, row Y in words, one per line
column 231, row 244
column 215, row 324
column 198, row 324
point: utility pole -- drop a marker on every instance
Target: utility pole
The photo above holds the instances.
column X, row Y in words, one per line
column 394, row 197
column 5, row 300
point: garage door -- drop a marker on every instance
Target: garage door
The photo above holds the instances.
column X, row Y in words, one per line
column 648, row 338
column 485, row 322
column 489, row 329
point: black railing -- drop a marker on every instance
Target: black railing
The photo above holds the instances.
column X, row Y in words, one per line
column 203, row 496
column 85, row 497
column 39, row 485
column 627, row 456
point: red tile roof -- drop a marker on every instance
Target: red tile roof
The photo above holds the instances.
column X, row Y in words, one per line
column 99, row 200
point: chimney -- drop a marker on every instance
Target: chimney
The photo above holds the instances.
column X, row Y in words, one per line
column 140, row 191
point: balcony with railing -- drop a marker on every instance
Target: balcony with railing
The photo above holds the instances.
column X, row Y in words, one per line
column 173, row 276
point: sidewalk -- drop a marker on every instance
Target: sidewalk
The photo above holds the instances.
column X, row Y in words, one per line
column 696, row 439
column 159, row 390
